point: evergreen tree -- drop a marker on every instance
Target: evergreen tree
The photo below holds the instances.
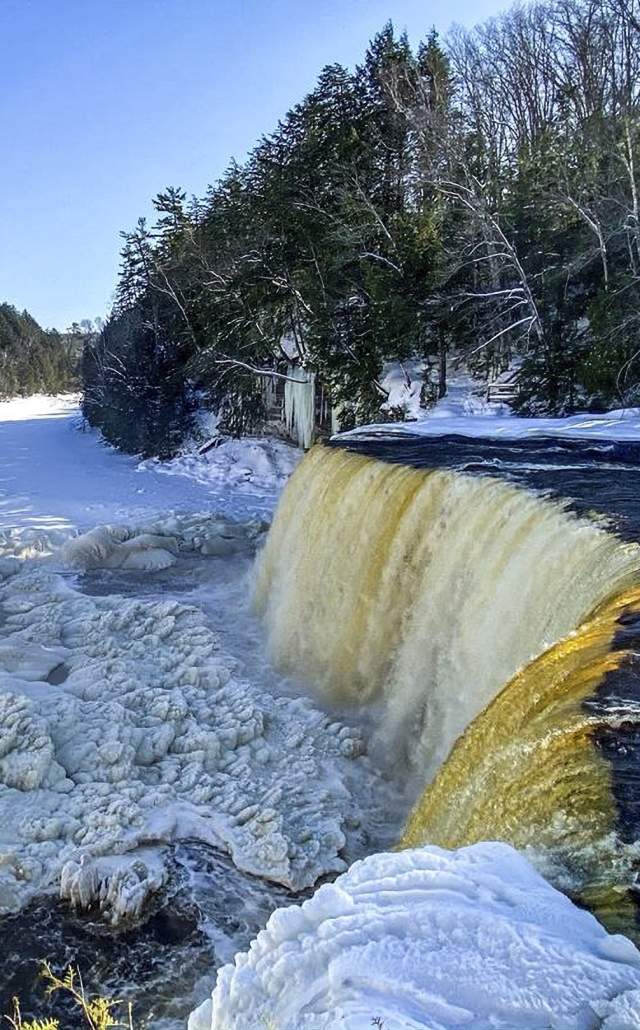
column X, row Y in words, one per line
column 477, row 198
column 33, row 360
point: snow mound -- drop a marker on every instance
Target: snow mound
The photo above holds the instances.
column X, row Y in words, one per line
column 249, row 465
column 432, row 939
column 155, row 545
column 123, row 727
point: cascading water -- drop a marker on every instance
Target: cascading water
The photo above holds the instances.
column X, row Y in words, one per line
column 547, row 765
column 425, row 592
column 428, row 590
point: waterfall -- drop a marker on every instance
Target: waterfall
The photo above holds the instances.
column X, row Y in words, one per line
column 494, row 633
column 423, row 590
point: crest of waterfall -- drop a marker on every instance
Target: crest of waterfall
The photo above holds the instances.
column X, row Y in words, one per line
column 299, row 405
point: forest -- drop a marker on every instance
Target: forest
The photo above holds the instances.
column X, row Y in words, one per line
column 34, row 360
column 472, row 200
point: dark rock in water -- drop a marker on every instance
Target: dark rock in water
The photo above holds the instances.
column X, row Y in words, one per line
column 58, row 675
column 209, row 911
column 143, row 965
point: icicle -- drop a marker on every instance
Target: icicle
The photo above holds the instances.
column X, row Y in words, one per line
column 299, row 405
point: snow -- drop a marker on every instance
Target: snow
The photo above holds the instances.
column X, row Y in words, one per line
column 433, row 939
column 124, row 725
column 465, row 397
column 619, row 425
column 403, row 383
column 56, row 479
column 464, row 411
column 253, row 468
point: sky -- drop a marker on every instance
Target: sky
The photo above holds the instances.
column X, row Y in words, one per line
column 103, row 103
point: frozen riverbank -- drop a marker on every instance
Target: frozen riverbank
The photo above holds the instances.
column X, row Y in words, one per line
column 56, row 479
column 136, row 707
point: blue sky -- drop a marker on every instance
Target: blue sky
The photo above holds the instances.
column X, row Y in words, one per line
column 105, row 102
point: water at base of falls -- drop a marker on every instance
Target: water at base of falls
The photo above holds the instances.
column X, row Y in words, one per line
column 164, row 965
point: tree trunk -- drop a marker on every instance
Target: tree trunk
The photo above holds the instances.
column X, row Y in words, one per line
column 442, row 371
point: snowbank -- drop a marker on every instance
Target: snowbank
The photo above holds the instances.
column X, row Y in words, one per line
column 431, row 939
column 619, row 425
column 250, row 465
column 123, row 726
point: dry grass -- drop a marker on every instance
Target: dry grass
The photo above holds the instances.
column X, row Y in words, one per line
column 98, row 1013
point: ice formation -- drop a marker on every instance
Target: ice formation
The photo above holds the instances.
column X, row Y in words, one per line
column 154, row 545
column 122, row 727
column 433, row 939
column 299, row 405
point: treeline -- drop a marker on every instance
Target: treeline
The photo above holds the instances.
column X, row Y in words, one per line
column 475, row 198
column 33, row 360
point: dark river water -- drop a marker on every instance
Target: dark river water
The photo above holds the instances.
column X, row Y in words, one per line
column 598, row 479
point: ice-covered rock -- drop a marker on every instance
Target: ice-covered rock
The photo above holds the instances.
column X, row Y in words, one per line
column 433, row 939
column 123, row 727
column 153, row 546
column 118, row 885
column 115, row 547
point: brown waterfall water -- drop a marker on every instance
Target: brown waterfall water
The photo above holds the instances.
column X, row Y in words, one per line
column 496, row 633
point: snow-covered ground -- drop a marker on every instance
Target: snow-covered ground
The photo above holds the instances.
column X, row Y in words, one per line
column 55, row 479
column 466, row 397
column 464, row 411
column 124, row 724
column 436, row 940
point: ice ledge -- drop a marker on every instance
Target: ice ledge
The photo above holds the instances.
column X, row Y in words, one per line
column 430, row 938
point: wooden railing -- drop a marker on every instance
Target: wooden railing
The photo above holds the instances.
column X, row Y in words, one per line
column 501, row 393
